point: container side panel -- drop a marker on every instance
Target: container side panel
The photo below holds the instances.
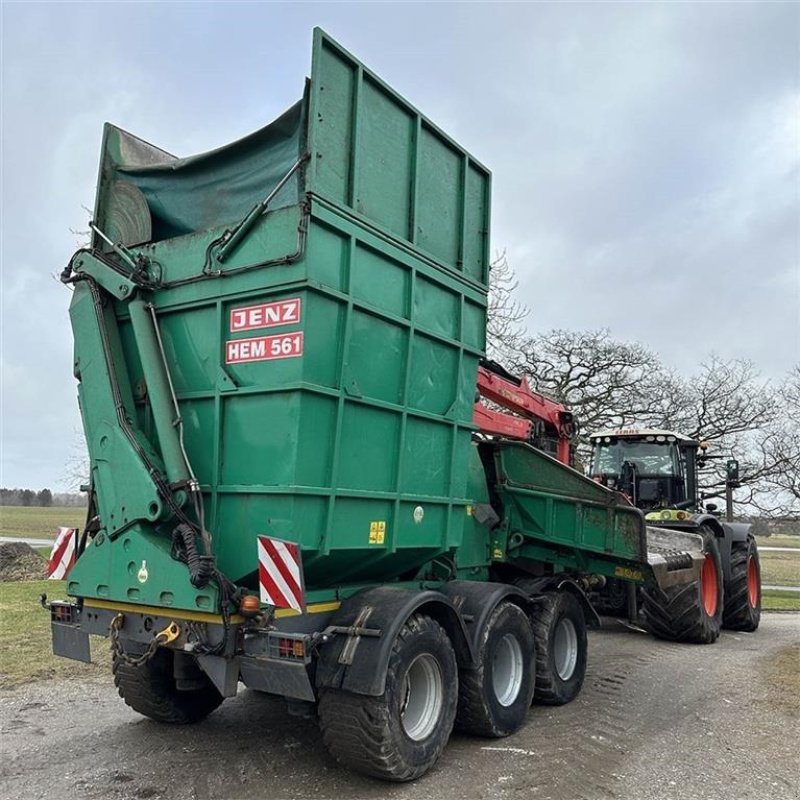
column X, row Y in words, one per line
column 434, row 371
column 372, row 374
column 381, row 282
column 476, row 225
column 436, row 309
column 385, row 159
column 440, row 199
column 426, row 462
column 375, row 155
column 370, row 439
column 334, row 86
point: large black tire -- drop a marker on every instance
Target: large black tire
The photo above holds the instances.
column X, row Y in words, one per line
column 742, row 611
column 559, row 629
column 690, row 612
column 399, row 735
column 493, row 700
column 611, row 600
column 151, row 690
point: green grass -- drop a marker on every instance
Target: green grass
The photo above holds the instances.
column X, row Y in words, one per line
column 780, row 569
column 39, row 523
column 25, row 649
column 779, row 541
column 776, row 600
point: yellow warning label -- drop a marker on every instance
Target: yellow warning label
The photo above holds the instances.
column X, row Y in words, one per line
column 377, row 532
column 630, row 574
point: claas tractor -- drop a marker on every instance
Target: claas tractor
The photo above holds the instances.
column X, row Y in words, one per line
column 657, row 470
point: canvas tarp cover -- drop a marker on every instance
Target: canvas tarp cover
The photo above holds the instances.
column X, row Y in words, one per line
column 220, row 187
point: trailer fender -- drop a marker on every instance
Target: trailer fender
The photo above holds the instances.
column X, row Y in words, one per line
column 476, row 600
column 358, row 662
column 558, row 583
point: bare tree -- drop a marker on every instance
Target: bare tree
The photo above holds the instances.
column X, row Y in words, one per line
column 504, row 332
column 776, row 455
column 606, row 382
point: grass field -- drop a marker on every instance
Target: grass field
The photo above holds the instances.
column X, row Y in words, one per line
column 781, row 569
column 779, row 541
column 776, row 600
column 39, row 523
column 25, row 650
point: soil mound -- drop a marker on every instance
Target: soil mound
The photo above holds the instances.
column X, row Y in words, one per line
column 20, row 562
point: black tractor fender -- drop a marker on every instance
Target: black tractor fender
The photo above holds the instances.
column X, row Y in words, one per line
column 726, row 533
column 358, row 662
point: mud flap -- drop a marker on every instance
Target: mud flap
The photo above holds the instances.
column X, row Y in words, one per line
column 71, row 642
column 224, row 673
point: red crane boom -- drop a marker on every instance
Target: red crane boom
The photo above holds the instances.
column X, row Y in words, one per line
column 536, row 418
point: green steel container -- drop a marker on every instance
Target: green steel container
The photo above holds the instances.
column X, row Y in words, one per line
column 325, row 365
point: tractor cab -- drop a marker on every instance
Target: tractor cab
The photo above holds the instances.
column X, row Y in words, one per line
column 655, row 468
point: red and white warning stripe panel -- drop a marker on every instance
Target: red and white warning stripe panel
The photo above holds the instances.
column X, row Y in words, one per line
column 62, row 557
column 280, row 573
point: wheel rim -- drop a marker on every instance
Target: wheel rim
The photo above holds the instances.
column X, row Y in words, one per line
column 752, row 582
column 507, row 667
column 422, row 697
column 709, row 590
column 565, row 649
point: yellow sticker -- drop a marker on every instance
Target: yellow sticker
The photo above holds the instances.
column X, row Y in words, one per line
column 469, row 511
column 630, row 574
column 377, row 532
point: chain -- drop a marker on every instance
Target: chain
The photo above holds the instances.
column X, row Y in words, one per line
column 162, row 637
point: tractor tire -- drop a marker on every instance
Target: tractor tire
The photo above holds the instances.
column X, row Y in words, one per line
column 399, row 735
column 494, row 699
column 150, row 689
column 559, row 629
column 742, row 610
column 611, row 600
column 691, row 612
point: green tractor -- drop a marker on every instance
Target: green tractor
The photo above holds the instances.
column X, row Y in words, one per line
column 657, row 470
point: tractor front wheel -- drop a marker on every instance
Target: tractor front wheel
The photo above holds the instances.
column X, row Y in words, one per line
column 690, row 612
column 742, row 610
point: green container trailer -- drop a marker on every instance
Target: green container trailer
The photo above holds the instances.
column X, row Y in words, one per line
column 276, row 347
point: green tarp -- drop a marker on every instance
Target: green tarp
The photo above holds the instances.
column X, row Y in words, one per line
column 222, row 186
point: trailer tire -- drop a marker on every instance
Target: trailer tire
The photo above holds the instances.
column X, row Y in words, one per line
column 689, row 612
column 742, row 610
column 150, row 689
column 399, row 735
column 494, row 698
column 559, row 628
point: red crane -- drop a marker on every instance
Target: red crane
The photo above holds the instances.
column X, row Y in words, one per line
column 536, row 419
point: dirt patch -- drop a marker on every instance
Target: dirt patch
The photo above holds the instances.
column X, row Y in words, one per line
column 20, row 562
column 782, row 678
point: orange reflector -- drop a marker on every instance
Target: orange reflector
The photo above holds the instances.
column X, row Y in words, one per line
column 249, row 605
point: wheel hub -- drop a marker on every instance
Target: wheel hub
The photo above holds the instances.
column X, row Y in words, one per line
column 422, row 696
column 709, row 590
column 565, row 649
column 507, row 670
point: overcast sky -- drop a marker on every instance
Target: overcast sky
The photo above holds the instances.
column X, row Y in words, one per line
column 645, row 158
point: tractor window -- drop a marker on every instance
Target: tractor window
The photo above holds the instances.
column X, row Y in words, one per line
column 650, row 458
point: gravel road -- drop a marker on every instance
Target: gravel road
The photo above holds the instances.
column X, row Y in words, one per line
column 655, row 721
